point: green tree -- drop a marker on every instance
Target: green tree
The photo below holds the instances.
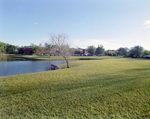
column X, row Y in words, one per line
column 49, row 47
column 21, row 50
column 34, row 47
column 123, row 51
column 3, row 55
column 146, row 52
column 3, row 46
column 136, row 51
column 110, row 54
column 100, row 49
column 11, row 48
column 91, row 49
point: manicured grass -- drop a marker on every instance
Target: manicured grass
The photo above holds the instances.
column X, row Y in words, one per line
column 108, row 88
column 35, row 57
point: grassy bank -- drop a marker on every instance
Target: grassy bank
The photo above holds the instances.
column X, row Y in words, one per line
column 107, row 88
column 47, row 58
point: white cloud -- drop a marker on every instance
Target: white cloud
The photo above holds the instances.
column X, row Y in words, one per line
column 147, row 24
column 94, row 42
column 36, row 23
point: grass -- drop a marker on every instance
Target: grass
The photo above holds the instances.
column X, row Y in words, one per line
column 35, row 57
column 108, row 88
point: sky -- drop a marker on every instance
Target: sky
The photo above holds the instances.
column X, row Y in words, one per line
column 111, row 23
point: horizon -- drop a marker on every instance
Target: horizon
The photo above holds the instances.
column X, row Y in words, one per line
column 29, row 46
column 113, row 24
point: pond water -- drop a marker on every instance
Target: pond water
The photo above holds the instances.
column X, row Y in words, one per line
column 22, row 67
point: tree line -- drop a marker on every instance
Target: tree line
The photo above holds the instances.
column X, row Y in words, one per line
column 12, row 49
column 62, row 48
column 135, row 52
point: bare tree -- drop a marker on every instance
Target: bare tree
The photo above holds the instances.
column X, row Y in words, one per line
column 59, row 42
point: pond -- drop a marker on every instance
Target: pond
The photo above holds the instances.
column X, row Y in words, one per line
column 22, row 67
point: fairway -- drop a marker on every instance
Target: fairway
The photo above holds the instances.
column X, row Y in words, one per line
column 105, row 88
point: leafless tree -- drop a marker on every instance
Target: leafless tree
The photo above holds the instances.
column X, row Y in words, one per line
column 59, row 42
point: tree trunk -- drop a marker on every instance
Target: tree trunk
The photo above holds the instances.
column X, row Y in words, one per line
column 67, row 62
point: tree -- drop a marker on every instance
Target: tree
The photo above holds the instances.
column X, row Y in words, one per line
column 136, row 51
column 3, row 46
column 11, row 48
column 123, row 51
column 48, row 47
column 34, row 47
column 110, row 54
column 100, row 49
column 91, row 49
column 146, row 52
column 21, row 50
column 59, row 41
column 3, row 55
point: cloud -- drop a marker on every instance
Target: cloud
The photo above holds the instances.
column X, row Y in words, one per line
column 147, row 24
column 35, row 23
column 94, row 42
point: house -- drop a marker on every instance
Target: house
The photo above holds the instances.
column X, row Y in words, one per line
column 75, row 51
column 110, row 52
column 85, row 51
column 78, row 51
column 41, row 50
column 28, row 51
column 54, row 51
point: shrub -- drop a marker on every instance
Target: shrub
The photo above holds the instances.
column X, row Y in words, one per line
column 115, row 54
column 110, row 54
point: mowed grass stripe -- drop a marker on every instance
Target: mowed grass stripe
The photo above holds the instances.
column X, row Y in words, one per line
column 108, row 88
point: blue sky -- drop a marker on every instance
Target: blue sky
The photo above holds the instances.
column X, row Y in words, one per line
column 111, row 23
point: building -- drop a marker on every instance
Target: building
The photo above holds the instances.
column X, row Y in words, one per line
column 78, row 51
column 85, row 51
column 28, row 51
column 111, row 52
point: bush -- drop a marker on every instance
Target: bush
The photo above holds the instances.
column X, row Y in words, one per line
column 115, row 54
column 110, row 54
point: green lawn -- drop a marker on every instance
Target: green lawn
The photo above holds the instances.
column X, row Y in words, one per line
column 35, row 57
column 106, row 88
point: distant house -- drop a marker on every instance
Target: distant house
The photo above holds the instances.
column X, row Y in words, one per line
column 110, row 52
column 85, row 51
column 54, row 51
column 75, row 51
column 28, row 51
column 41, row 50
column 78, row 51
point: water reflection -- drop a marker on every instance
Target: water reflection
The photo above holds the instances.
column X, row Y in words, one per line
column 23, row 67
